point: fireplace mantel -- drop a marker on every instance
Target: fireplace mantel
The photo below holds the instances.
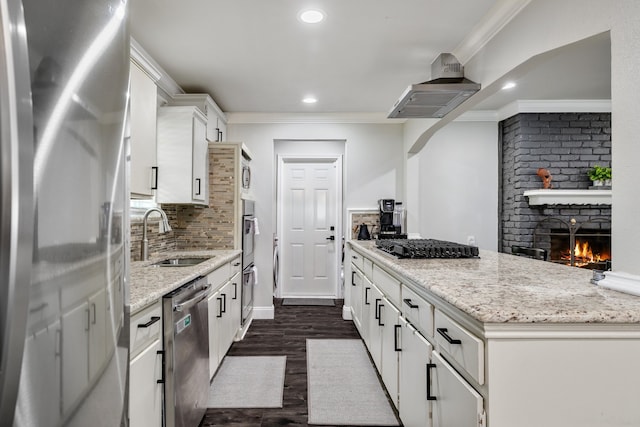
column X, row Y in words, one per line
column 568, row 197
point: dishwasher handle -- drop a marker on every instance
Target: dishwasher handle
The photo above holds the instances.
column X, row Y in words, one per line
column 193, row 301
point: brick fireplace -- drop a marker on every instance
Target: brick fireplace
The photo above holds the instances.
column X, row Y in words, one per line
column 568, row 145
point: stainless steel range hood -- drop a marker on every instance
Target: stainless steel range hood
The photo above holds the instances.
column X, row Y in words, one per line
column 437, row 97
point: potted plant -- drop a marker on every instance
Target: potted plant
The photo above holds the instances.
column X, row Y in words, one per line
column 600, row 175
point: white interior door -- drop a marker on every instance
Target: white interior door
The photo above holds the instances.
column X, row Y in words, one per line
column 311, row 242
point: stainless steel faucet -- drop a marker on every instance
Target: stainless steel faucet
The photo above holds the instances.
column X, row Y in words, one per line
column 164, row 227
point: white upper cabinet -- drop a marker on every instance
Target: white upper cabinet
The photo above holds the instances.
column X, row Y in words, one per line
column 183, row 163
column 216, row 119
column 144, row 101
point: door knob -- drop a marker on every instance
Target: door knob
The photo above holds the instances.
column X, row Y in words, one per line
column 331, row 238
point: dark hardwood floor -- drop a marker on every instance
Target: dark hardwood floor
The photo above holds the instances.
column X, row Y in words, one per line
column 285, row 335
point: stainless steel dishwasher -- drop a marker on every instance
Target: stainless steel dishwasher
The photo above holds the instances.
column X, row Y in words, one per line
column 186, row 354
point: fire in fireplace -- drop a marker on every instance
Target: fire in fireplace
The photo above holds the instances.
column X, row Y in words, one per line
column 587, row 245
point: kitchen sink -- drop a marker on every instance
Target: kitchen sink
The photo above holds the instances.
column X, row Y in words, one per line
column 179, row 262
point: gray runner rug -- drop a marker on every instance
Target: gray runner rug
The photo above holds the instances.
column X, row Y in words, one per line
column 343, row 388
column 308, row 301
column 248, row 382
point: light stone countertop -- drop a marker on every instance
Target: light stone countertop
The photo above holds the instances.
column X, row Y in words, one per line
column 499, row 288
column 149, row 284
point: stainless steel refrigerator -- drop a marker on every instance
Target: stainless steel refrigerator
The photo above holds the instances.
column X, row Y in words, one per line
column 64, row 70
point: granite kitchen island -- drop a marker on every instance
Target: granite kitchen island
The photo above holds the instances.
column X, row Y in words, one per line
column 511, row 341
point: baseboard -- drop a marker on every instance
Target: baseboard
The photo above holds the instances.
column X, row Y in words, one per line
column 346, row 313
column 263, row 312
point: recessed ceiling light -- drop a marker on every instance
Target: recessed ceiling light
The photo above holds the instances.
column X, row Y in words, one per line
column 309, row 100
column 509, row 85
column 311, row 16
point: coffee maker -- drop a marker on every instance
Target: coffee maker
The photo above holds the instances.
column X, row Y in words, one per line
column 390, row 229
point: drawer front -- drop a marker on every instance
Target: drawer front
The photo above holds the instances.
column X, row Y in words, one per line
column 368, row 268
column 357, row 260
column 236, row 266
column 145, row 326
column 460, row 344
column 418, row 311
column 220, row 275
column 387, row 284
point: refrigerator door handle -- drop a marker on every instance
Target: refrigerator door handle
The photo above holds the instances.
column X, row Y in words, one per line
column 16, row 206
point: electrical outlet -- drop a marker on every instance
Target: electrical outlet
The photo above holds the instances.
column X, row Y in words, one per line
column 471, row 240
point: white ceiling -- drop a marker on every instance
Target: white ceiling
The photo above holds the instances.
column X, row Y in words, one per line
column 256, row 56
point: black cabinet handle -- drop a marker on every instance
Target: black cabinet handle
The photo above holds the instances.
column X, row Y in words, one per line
column 217, row 134
column 380, row 307
column 235, row 290
column 331, row 238
column 409, row 303
column 443, row 332
column 161, row 380
column 224, row 303
column 154, row 186
column 219, row 307
column 198, row 182
column 153, row 320
column 396, row 341
column 235, row 264
column 354, row 257
column 366, row 296
column 353, row 281
column 377, row 313
column 429, row 366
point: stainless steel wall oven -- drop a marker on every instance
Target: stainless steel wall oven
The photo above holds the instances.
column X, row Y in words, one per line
column 249, row 230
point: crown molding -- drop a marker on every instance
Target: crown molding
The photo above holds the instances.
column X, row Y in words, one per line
column 310, row 118
column 478, row 116
column 554, row 106
column 161, row 78
column 500, row 14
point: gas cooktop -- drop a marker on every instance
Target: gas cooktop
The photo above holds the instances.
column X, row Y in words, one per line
column 426, row 248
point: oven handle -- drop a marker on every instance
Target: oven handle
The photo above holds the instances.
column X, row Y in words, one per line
column 193, row 301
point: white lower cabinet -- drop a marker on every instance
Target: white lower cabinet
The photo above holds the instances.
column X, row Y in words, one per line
column 456, row 403
column 225, row 310
column 390, row 320
column 213, row 303
column 145, row 367
column 145, row 403
column 357, row 280
column 235, row 305
column 374, row 343
column 414, row 405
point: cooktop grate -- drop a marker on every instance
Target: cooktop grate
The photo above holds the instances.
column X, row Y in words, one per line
column 426, row 248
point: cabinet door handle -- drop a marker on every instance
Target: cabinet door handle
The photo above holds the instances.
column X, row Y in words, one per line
column 366, row 296
column 235, row 290
column 153, row 320
column 217, row 134
column 88, row 319
column 353, row 281
column 219, row 307
column 444, row 333
column 235, row 264
column 198, row 184
column 429, row 366
column 161, row 353
column 154, row 173
column 410, row 303
column 224, row 303
column 377, row 313
column 93, row 310
column 380, row 307
column 396, row 341
column 354, row 257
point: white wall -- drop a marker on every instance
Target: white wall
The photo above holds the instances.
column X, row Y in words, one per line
column 373, row 169
column 458, row 181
